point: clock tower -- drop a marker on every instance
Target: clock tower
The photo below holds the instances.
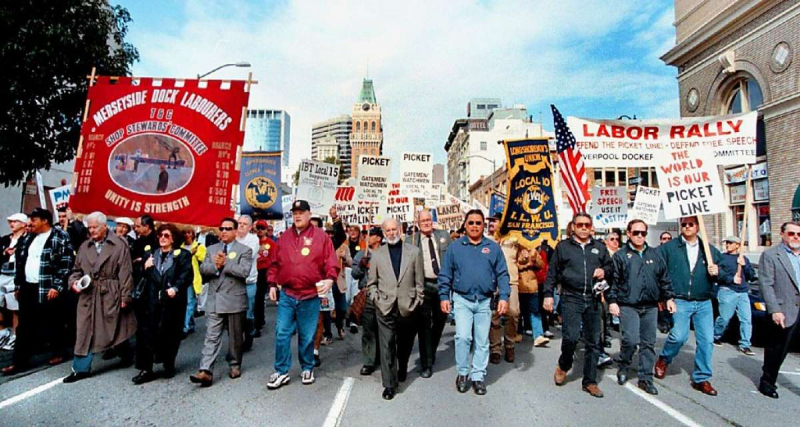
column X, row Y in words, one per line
column 367, row 133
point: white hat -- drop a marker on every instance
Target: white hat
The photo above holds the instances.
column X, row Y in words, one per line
column 126, row 221
column 21, row 217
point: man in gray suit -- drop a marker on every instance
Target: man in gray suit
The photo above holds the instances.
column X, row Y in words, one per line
column 395, row 286
column 433, row 244
column 226, row 267
column 779, row 280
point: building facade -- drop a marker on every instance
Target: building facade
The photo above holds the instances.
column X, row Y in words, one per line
column 438, row 174
column 367, row 132
column 480, row 108
column 740, row 56
column 340, row 129
column 268, row 130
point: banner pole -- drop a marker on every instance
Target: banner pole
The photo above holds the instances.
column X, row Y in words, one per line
column 748, row 198
column 706, row 245
column 78, row 154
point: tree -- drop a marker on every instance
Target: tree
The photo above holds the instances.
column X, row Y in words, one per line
column 47, row 49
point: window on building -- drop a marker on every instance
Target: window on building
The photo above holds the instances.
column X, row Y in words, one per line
column 358, row 127
column 374, row 126
column 746, row 96
column 481, row 107
column 483, row 145
column 611, row 177
column 648, row 176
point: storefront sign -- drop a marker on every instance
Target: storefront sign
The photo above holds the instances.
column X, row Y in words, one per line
column 739, row 174
column 737, row 193
column 761, row 190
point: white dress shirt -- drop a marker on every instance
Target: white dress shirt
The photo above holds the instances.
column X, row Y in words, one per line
column 35, row 257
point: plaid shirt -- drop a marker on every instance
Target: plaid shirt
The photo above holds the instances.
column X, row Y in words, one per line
column 55, row 264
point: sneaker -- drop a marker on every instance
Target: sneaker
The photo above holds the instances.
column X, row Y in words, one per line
column 5, row 334
column 9, row 345
column 307, row 377
column 747, row 351
column 326, row 340
column 541, row 341
column 548, row 334
column 528, row 332
column 277, row 381
column 604, row 360
column 717, row 342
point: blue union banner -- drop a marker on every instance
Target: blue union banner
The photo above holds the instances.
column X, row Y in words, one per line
column 530, row 211
column 259, row 189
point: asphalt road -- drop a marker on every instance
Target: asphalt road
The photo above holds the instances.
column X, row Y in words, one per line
column 520, row 394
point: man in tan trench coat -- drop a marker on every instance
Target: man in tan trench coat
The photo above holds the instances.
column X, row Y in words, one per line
column 105, row 319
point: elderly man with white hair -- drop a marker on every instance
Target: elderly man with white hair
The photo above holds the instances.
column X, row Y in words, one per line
column 102, row 277
column 396, row 283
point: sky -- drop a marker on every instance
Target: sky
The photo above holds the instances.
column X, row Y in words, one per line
column 596, row 59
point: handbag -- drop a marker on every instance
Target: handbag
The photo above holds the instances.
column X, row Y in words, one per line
column 357, row 307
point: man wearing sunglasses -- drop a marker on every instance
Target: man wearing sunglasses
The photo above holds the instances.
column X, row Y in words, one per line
column 693, row 278
column 779, row 280
column 640, row 282
column 578, row 264
column 474, row 268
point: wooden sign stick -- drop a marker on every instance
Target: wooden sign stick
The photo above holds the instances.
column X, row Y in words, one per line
column 748, row 199
column 703, row 235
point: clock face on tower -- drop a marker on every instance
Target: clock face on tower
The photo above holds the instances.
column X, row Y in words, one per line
column 365, row 107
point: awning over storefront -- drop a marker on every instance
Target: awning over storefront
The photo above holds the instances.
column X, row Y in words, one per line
column 796, row 200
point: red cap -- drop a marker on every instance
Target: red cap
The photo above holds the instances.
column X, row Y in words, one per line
column 262, row 223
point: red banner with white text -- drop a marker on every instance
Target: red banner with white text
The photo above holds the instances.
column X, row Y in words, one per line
column 168, row 148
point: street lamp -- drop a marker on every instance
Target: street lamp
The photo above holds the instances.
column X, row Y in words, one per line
column 233, row 64
column 494, row 168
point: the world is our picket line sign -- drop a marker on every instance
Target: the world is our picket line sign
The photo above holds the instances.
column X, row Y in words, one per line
column 170, row 148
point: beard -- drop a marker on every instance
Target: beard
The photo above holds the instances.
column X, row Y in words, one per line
column 393, row 241
column 794, row 245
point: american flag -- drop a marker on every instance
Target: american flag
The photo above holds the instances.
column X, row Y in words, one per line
column 573, row 172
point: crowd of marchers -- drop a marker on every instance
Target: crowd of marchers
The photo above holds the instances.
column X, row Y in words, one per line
column 134, row 294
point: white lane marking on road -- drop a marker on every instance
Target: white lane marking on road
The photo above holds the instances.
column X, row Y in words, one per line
column 790, row 373
column 336, row 412
column 674, row 413
column 29, row 393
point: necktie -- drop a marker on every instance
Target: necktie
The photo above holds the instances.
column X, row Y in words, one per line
column 432, row 250
column 224, row 249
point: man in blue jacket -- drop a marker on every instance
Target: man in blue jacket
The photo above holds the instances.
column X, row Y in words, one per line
column 733, row 295
column 474, row 268
column 693, row 278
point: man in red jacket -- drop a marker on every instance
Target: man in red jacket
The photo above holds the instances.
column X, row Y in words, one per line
column 304, row 266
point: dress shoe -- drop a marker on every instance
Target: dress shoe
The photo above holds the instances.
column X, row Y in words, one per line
column 235, row 372
column 704, row 387
column 204, row 378
column 402, row 375
column 367, row 370
column 510, row 355
column 648, row 387
column 426, row 373
column 660, row 370
column 768, row 390
column 257, row 333
column 495, row 358
column 593, row 389
column 76, row 376
column 622, row 376
column 144, row 377
column 560, row 377
column 388, row 393
column 55, row 360
column 462, row 383
column 168, row 373
column 12, row 370
column 479, row 387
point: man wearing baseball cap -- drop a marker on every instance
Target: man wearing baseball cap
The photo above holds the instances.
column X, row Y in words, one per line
column 305, row 266
column 8, row 303
column 733, row 295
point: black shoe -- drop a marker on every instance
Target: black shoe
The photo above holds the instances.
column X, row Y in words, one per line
column 367, row 370
column 388, row 393
column 462, row 383
column 353, row 329
column 648, row 387
column 144, row 377
column 402, row 374
column 317, row 361
column 768, row 390
column 479, row 387
column 426, row 373
column 717, row 342
column 169, row 372
column 622, row 376
column 76, row 376
column 257, row 333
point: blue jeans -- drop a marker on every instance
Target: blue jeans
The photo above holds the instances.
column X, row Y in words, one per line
column 191, row 306
column 702, row 313
column 473, row 319
column 251, row 301
column 731, row 301
column 301, row 316
column 536, row 319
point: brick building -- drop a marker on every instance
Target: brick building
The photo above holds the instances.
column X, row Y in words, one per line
column 737, row 56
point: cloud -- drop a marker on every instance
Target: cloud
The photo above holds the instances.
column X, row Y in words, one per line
column 427, row 58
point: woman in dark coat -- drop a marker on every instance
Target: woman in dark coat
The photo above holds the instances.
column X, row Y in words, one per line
column 161, row 308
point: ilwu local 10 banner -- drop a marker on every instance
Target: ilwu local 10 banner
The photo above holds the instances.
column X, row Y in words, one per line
column 164, row 147
column 416, row 175
column 530, row 212
column 316, row 184
column 641, row 143
column 259, row 189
